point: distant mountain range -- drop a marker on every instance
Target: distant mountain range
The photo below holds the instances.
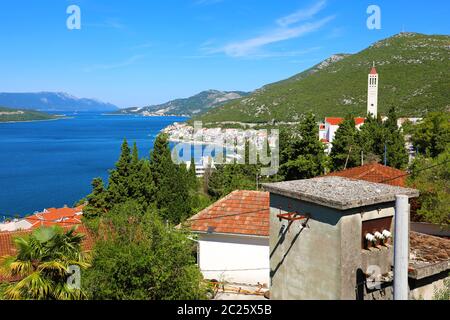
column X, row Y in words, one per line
column 53, row 101
column 194, row 105
column 414, row 77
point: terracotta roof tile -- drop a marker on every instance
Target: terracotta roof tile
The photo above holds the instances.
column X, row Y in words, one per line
column 246, row 212
column 374, row 172
column 337, row 121
column 8, row 248
column 429, row 249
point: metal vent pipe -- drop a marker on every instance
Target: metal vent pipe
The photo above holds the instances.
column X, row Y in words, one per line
column 401, row 247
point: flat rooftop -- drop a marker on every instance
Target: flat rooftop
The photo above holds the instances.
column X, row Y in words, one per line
column 338, row 192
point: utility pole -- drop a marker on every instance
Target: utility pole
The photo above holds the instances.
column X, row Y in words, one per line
column 257, row 182
column 348, row 157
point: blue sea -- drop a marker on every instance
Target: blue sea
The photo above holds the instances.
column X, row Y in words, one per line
column 52, row 163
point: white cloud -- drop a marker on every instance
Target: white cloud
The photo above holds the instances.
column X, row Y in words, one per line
column 302, row 14
column 288, row 27
column 251, row 46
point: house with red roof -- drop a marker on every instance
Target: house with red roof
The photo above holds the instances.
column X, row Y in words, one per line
column 233, row 238
column 375, row 172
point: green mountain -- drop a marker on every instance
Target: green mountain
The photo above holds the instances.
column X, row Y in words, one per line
column 13, row 115
column 197, row 104
column 414, row 77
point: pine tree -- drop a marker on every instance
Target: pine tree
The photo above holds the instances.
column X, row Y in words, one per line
column 396, row 153
column 303, row 155
column 97, row 204
column 346, row 150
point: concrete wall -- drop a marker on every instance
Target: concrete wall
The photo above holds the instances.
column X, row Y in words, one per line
column 425, row 289
column 305, row 261
column 322, row 260
column 234, row 259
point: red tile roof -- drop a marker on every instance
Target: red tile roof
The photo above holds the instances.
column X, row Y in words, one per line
column 375, row 172
column 428, row 248
column 241, row 212
column 373, row 71
column 359, row 121
column 334, row 121
column 337, row 121
column 52, row 216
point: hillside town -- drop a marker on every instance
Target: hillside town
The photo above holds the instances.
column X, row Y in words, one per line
column 334, row 236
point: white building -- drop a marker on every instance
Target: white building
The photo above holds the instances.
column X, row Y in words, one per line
column 372, row 93
column 233, row 239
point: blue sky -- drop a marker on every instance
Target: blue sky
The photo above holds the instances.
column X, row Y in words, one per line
column 138, row 52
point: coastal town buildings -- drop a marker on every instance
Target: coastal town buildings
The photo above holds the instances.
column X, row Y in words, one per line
column 48, row 217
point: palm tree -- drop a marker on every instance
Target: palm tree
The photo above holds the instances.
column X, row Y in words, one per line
column 42, row 264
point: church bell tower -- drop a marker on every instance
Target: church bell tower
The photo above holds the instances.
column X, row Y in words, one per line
column 372, row 93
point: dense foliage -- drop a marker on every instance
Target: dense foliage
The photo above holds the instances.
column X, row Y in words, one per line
column 301, row 153
column 431, row 177
column 136, row 179
column 430, row 171
column 432, row 135
column 42, row 263
column 138, row 257
column 376, row 141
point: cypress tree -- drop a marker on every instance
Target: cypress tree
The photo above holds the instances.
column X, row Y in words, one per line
column 97, row 204
column 397, row 156
column 346, row 151
column 371, row 139
column 118, row 186
column 192, row 175
column 303, row 156
column 170, row 179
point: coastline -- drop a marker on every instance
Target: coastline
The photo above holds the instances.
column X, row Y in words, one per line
column 40, row 120
column 140, row 115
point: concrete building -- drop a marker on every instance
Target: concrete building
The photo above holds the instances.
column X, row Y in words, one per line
column 320, row 246
column 233, row 238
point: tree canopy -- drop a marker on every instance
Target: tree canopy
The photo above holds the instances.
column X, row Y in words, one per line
column 139, row 258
